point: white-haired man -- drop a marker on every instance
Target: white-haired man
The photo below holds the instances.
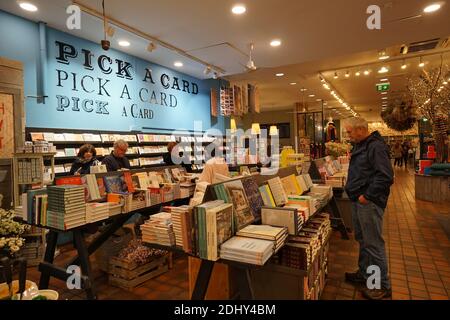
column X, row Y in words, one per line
column 370, row 177
column 117, row 160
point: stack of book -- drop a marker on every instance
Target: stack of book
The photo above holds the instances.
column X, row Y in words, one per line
column 66, row 207
column 97, row 211
column 296, row 255
column 214, row 221
column 264, row 232
column 182, row 226
column 159, row 229
column 114, row 208
column 247, row 250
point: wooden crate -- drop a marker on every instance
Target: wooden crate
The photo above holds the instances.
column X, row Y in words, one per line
column 128, row 275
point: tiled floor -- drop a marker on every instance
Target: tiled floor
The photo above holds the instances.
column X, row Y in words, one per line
column 418, row 251
column 417, row 247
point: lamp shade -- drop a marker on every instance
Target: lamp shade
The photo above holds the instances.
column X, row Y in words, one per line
column 273, row 131
column 255, row 128
column 233, row 125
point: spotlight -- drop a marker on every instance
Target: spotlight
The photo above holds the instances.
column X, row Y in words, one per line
column 383, row 56
column 366, row 73
column 207, row 70
column 215, row 75
column 358, row 73
column 347, row 74
column 336, row 75
column 151, row 47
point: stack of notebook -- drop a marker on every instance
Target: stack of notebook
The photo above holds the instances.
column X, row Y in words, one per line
column 247, row 250
column 158, row 229
column 66, row 207
column 264, row 232
column 97, row 211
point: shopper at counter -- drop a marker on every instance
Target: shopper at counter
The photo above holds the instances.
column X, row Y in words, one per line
column 370, row 177
column 86, row 158
column 117, row 160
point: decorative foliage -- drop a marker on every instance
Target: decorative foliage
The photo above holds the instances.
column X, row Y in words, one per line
column 336, row 149
column 10, row 231
column 399, row 116
column 430, row 93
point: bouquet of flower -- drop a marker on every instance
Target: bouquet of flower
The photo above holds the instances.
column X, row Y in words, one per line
column 10, row 231
column 337, row 149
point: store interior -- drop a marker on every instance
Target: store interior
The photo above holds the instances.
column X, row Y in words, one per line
column 291, row 74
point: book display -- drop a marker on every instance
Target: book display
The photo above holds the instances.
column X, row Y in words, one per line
column 145, row 150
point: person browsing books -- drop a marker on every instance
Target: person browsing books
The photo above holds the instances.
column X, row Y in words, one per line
column 370, row 177
column 86, row 158
column 117, row 160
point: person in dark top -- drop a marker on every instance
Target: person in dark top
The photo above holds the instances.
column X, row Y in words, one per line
column 168, row 156
column 117, row 160
column 370, row 177
column 85, row 159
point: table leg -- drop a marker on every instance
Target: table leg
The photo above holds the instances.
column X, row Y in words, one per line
column 49, row 257
column 244, row 284
column 84, row 262
column 202, row 282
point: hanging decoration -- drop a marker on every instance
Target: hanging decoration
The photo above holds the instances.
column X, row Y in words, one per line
column 399, row 116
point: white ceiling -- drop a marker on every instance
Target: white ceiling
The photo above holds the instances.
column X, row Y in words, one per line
column 317, row 35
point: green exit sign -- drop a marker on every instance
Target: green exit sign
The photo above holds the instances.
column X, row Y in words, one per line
column 383, row 87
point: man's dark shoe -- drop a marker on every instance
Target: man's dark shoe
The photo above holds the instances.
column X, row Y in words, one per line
column 377, row 294
column 354, row 277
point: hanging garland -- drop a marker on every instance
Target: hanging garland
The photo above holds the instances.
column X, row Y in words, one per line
column 400, row 117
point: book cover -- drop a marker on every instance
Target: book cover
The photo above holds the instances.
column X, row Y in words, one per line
column 281, row 217
column 37, row 136
column 76, row 180
column 267, row 196
column 291, row 186
column 242, row 213
column 128, row 181
column 114, row 184
column 219, row 228
column 254, row 197
column 276, row 187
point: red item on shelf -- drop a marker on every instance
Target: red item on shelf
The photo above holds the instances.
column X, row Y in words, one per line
column 431, row 155
column 424, row 164
column 431, row 149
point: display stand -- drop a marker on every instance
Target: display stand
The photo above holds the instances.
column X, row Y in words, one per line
column 48, row 269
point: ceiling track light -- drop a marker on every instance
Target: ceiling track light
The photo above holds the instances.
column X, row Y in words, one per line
column 358, row 73
column 347, row 74
column 336, row 75
column 366, row 73
column 207, row 70
column 151, row 47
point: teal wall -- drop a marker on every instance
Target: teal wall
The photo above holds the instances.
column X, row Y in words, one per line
column 91, row 99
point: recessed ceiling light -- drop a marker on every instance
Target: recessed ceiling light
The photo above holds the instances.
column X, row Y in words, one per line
column 432, row 8
column 178, row 64
column 445, row 83
column 124, row 43
column 318, row 100
column 347, row 74
column 28, row 6
column 275, row 43
column 383, row 70
column 239, row 9
column 385, row 79
column 303, row 89
column 421, row 64
column 384, row 98
column 384, row 93
column 358, row 73
column 366, row 73
column 279, row 74
column 383, row 56
column 312, row 95
column 293, row 83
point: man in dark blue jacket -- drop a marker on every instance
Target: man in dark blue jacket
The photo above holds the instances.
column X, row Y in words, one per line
column 370, row 177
